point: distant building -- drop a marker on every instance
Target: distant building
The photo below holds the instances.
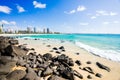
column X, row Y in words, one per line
column 35, row 30
column 1, row 28
column 48, row 31
column 28, row 29
column 44, row 31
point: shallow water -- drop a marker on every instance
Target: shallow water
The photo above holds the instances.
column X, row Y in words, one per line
column 104, row 45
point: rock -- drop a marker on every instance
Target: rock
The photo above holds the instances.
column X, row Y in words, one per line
column 32, row 49
column 55, row 48
column 13, row 42
column 39, row 73
column 77, row 53
column 57, row 52
column 71, row 63
column 48, row 45
column 47, row 71
column 78, row 74
column 68, row 74
column 98, row 75
column 16, row 75
column 31, row 75
column 88, row 69
column 103, row 66
column 89, row 77
column 55, row 77
column 61, row 47
column 3, row 77
column 78, row 62
column 4, row 42
column 47, row 56
column 15, row 51
column 6, row 64
column 88, row 62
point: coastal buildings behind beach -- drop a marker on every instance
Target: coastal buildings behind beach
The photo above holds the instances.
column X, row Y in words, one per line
column 28, row 30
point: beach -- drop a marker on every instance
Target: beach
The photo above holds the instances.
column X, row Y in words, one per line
column 43, row 46
column 85, row 62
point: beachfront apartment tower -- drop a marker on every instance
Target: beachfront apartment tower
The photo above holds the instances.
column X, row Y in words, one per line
column 48, row 31
column 34, row 29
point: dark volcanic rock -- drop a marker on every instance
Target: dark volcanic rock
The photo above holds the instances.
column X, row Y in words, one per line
column 57, row 52
column 88, row 69
column 3, row 77
column 98, row 75
column 78, row 62
column 78, row 74
column 55, row 77
column 89, row 77
column 47, row 56
column 68, row 74
column 65, row 59
column 47, row 71
column 13, row 42
column 16, row 75
column 55, row 48
column 15, row 51
column 4, row 42
column 61, row 47
column 88, row 62
column 31, row 75
column 6, row 64
column 103, row 66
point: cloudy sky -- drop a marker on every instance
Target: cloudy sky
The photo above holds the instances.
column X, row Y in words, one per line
column 70, row 16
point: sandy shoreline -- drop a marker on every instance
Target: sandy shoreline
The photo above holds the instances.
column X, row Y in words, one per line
column 45, row 46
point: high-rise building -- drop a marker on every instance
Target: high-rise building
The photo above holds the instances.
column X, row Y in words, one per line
column 28, row 29
column 1, row 28
column 48, row 31
column 44, row 31
column 35, row 30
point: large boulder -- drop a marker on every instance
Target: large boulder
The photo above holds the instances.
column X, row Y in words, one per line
column 31, row 75
column 4, row 42
column 12, row 50
column 16, row 75
column 47, row 71
column 55, row 77
column 6, row 64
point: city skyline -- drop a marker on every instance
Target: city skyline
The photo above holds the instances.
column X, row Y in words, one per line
column 73, row 16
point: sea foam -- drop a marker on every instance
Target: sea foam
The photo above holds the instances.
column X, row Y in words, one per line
column 109, row 54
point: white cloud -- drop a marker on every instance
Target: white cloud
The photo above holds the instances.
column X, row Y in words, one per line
column 7, row 22
column 115, row 21
column 81, row 8
column 106, row 23
column 113, row 13
column 70, row 12
column 106, row 13
column 84, row 24
column 93, row 17
column 20, row 9
column 5, row 9
column 39, row 4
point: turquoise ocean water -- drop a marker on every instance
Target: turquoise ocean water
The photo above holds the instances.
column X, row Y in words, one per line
column 104, row 45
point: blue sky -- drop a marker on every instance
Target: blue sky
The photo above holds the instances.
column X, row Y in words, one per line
column 70, row 16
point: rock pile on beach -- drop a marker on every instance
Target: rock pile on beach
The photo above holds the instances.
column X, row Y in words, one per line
column 38, row 66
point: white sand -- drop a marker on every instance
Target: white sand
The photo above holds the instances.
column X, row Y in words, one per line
column 41, row 47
